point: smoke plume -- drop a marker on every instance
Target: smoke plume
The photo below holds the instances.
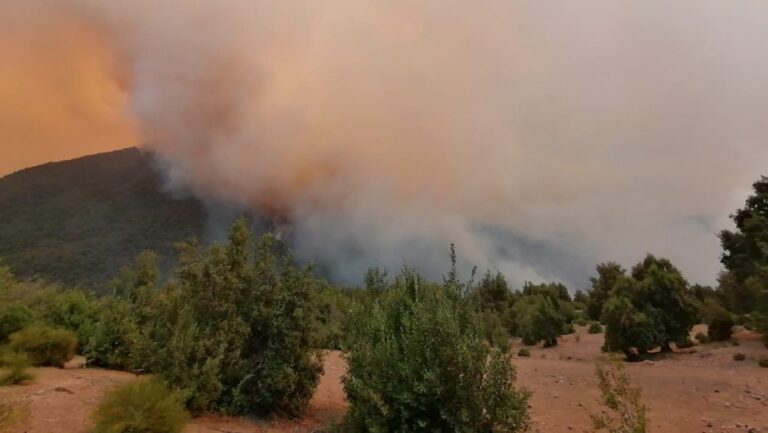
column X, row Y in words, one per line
column 540, row 137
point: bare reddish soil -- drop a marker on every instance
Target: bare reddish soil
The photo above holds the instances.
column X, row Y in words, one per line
column 699, row 390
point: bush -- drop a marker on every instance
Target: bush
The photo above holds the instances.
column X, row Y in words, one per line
column 418, row 364
column 763, row 362
column 625, row 411
column 143, row 406
column 525, row 353
column 45, row 346
column 719, row 321
column 687, row 344
column 739, row 357
column 13, row 317
column 14, row 367
column 235, row 331
column 537, row 319
column 568, row 329
column 580, row 321
column 595, row 328
column 115, row 336
column 702, row 338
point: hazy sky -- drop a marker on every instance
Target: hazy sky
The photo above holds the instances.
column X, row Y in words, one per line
column 540, row 137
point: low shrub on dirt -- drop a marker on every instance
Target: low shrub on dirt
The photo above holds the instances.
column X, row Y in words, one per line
column 143, row 406
column 687, row 344
column 720, row 324
column 525, row 353
column 763, row 362
column 702, row 338
column 440, row 375
column 11, row 414
column 595, row 328
column 14, row 367
column 624, row 411
column 568, row 329
column 739, row 357
column 45, row 346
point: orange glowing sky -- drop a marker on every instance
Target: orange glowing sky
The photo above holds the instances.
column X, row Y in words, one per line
column 60, row 96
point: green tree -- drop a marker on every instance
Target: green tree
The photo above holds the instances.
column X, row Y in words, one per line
column 607, row 276
column 745, row 255
column 649, row 309
column 418, row 364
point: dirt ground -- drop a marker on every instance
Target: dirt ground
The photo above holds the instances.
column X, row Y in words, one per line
column 698, row 390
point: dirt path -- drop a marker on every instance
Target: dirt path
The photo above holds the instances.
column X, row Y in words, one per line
column 702, row 391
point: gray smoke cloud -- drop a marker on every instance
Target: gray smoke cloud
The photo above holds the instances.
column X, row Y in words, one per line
column 540, row 137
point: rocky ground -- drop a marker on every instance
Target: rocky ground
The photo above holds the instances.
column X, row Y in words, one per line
column 697, row 390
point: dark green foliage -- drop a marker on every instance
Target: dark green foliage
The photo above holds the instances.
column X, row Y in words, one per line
column 235, row 330
column 45, row 346
column 720, row 322
column 763, row 362
column 142, row 406
column 492, row 300
column 702, row 338
column 14, row 367
column 13, row 317
column 595, row 328
column 525, row 353
column 739, row 357
column 607, row 276
column 74, row 310
column 78, row 222
column 649, row 309
column 744, row 284
column 568, row 329
column 537, row 319
column 418, row 364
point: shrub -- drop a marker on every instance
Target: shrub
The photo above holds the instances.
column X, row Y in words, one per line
column 14, row 367
column 739, row 357
column 45, row 346
column 568, row 329
column 13, row 317
column 595, row 328
column 74, row 310
column 719, row 321
column 624, row 411
column 418, row 364
column 525, row 353
column 115, row 336
column 702, row 338
column 687, row 344
column 580, row 321
column 11, row 414
column 763, row 362
column 142, row 406
column 235, row 331
column 537, row 319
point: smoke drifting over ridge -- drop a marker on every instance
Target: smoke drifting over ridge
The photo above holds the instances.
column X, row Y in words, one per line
column 540, row 137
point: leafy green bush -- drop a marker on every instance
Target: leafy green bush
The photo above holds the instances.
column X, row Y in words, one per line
column 142, row 406
column 763, row 362
column 114, row 337
column 418, row 364
column 14, row 367
column 525, row 353
column 580, row 321
column 74, row 310
column 537, row 319
column 720, row 322
column 702, row 338
column 739, row 357
column 595, row 328
column 235, row 331
column 45, row 346
column 13, row 317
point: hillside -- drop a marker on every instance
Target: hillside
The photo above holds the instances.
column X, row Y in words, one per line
column 80, row 221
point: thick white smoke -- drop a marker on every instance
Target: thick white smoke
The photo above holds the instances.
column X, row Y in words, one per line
column 540, row 137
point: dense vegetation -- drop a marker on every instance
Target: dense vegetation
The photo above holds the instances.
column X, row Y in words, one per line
column 78, row 222
column 236, row 328
column 744, row 284
column 418, row 364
